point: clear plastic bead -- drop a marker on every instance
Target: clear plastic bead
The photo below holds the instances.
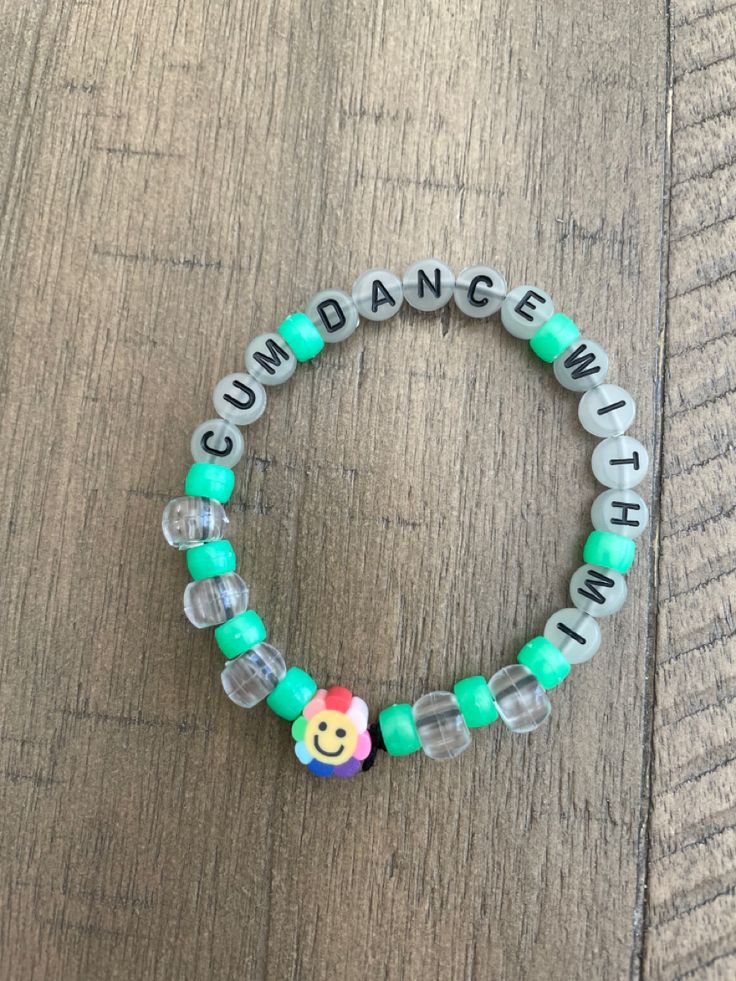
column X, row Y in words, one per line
column 582, row 366
column 428, row 285
column 269, row 359
column 620, row 462
column 334, row 314
column 521, row 701
column 191, row 521
column 623, row 512
column 525, row 309
column 208, row 602
column 239, row 398
column 250, row 677
column 575, row 634
column 598, row 591
column 378, row 294
column 607, row 410
column 217, row 441
column 479, row 291
column 441, row 727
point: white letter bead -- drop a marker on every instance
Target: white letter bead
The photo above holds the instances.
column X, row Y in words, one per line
column 575, row 634
column 622, row 512
column 620, row 462
column 269, row 359
column 606, row 410
column 582, row 366
column 239, row 398
column 334, row 314
column 217, row 441
column 378, row 294
column 525, row 309
column 479, row 291
column 428, row 285
column 598, row 591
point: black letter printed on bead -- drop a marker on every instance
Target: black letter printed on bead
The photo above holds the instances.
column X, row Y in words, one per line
column 246, row 390
column 625, row 507
column 611, row 407
column 581, row 363
column 526, row 301
column 323, row 307
column 276, row 356
column 376, row 302
column 474, row 285
column 633, row 460
column 571, row 633
column 435, row 288
column 208, row 448
column 594, row 582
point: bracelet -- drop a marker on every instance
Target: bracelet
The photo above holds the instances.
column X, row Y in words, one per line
column 330, row 725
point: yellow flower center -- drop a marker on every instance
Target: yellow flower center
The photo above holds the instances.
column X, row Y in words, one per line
column 331, row 737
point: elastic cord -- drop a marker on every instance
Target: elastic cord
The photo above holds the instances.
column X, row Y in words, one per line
column 376, row 745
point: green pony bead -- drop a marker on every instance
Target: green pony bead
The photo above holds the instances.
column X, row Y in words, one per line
column 476, row 702
column 554, row 337
column 209, row 480
column 302, row 336
column 399, row 731
column 238, row 635
column 544, row 661
column 291, row 694
column 610, row 550
column 211, row 559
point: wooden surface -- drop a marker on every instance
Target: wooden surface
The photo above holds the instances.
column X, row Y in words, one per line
column 175, row 177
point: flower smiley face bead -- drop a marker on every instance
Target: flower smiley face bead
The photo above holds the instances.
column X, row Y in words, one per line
column 331, row 733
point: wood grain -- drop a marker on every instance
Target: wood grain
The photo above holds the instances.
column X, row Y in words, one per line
column 179, row 176
column 691, row 908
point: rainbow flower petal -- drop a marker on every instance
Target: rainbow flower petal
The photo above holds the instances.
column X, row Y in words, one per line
column 363, row 749
column 358, row 712
column 321, row 769
column 299, row 728
column 317, row 704
column 348, row 769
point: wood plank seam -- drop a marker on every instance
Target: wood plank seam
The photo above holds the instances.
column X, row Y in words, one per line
column 643, row 860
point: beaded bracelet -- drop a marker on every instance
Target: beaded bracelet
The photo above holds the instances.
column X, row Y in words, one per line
column 330, row 726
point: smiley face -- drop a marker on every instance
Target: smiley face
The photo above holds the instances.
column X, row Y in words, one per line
column 331, row 737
